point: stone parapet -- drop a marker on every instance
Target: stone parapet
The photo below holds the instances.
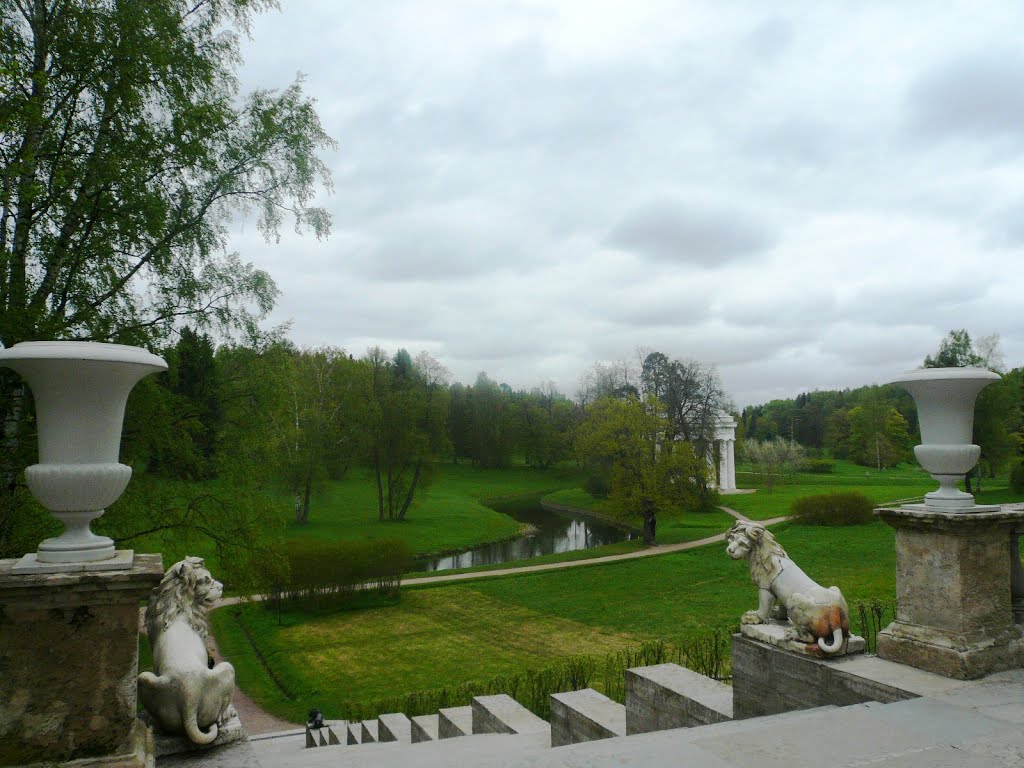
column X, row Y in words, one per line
column 769, row 681
column 69, row 663
column 954, row 579
column 667, row 696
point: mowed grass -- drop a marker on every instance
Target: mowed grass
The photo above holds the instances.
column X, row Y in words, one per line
column 448, row 634
column 449, row 515
column 432, row 638
column 900, row 483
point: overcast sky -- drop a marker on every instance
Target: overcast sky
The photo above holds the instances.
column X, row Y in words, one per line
column 807, row 195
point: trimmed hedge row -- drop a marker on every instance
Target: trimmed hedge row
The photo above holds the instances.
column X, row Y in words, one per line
column 817, row 466
column 848, row 508
column 312, row 569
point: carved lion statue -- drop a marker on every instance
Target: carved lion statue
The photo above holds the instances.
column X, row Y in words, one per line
column 185, row 696
column 817, row 614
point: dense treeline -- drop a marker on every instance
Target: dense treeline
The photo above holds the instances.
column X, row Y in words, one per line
column 226, row 424
column 877, row 425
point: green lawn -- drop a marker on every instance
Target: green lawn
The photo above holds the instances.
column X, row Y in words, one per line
column 450, row 515
column 901, row 484
column 448, row 634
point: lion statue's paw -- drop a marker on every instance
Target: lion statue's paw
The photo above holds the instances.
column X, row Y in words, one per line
column 751, row 617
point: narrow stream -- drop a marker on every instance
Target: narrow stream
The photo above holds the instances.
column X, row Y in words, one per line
column 551, row 532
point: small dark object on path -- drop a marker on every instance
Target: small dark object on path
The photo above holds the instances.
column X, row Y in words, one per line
column 316, row 718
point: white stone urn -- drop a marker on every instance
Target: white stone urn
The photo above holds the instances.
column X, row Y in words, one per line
column 80, row 390
column 945, row 400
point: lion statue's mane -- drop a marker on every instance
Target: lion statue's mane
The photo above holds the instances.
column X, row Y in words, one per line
column 183, row 694
column 817, row 614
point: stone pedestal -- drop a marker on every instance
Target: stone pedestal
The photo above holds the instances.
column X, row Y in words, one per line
column 774, row 633
column 68, row 665
column 953, row 591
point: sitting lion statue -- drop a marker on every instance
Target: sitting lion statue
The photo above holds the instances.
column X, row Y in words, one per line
column 817, row 614
column 185, row 696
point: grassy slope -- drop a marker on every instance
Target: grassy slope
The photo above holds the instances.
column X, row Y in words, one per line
column 899, row 483
column 442, row 635
column 449, row 515
column 447, row 634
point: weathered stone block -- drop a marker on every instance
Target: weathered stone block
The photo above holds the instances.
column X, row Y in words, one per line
column 585, row 715
column 394, row 726
column 664, row 696
column 425, row 728
column 227, row 733
column 453, row 722
column 953, row 589
column 69, row 662
column 769, row 681
column 370, row 732
column 774, row 633
column 503, row 714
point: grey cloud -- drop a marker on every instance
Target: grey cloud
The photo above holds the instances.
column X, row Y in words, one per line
column 770, row 38
column 975, row 96
column 674, row 231
column 799, row 141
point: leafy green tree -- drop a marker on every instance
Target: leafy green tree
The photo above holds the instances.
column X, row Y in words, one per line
column 956, row 350
column 405, row 434
column 879, row 435
column 773, row 460
column 691, row 394
column 125, row 146
column 649, row 474
column 494, row 423
column 548, row 418
column 321, row 417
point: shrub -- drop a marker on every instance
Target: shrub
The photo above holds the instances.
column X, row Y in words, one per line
column 315, row 569
column 597, row 486
column 1017, row 477
column 818, row 466
column 850, row 508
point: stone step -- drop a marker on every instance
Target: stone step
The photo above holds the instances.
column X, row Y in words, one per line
column 355, row 733
column 454, row 721
column 326, row 736
column 506, row 749
column 370, row 732
column 503, row 714
column 585, row 715
column 394, row 726
column 425, row 728
column 666, row 696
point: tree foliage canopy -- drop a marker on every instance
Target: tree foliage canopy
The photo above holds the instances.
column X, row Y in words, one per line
column 650, row 474
column 124, row 147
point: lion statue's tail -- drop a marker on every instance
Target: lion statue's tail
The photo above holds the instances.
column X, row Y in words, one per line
column 835, row 645
column 190, row 723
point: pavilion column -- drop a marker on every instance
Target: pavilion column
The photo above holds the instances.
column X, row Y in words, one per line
column 731, row 454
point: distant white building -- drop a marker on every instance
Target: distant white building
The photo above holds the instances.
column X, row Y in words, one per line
column 725, row 441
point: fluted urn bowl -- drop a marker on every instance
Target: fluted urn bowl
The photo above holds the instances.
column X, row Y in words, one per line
column 945, row 399
column 80, row 390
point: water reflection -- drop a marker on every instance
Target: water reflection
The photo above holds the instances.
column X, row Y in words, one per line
column 550, row 533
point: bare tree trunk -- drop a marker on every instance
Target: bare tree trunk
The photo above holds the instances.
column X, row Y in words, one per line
column 412, row 490
column 306, row 496
column 380, row 488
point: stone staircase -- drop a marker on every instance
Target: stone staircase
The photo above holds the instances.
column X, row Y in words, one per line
column 672, row 716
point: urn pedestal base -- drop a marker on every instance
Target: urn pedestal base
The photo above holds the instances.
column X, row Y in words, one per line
column 954, row 597
column 69, row 654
